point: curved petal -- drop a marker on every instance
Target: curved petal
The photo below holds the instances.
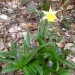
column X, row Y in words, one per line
column 50, row 10
column 45, row 12
column 44, row 17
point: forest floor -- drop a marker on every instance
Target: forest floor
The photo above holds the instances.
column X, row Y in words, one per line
column 20, row 20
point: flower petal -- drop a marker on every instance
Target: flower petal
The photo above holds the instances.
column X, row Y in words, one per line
column 54, row 12
column 50, row 10
column 45, row 12
column 50, row 16
column 44, row 17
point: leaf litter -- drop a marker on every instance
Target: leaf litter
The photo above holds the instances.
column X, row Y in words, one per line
column 16, row 20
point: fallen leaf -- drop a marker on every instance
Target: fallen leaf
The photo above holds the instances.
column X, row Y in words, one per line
column 1, row 44
column 68, row 45
column 28, row 26
column 73, row 25
column 25, row 26
column 1, row 24
column 4, row 17
column 61, row 44
column 73, row 59
column 5, row 37
column 14, row 29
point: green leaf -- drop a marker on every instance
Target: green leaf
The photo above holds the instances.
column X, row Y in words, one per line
column 23, row 2
column 7, row 60
column 9, row 68
column 53, row 56
column 68, row 63
column 1, row 9
column 30, row 70
column 46, row 70
column 38, row 68
column 19, row 49
column 57, row 65
column 26, row 48
column 43, row 31
column 7, row 54
column 62, row 71
column 13, row 48
column 40, row 41
column 27, row 45
column 26, row 71
column 33, row 68
column 28, row 40
column 37, row 36
column 46, row 6
column 33, row 53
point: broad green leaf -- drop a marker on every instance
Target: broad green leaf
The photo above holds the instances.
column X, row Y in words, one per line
column 46, row 70
column 62, row 71
column 26, row 71
column 37, row 36
column 57, row 65
column 40, row 41
column 33, row 68
column 9, row 68
column 7, row 60
column 1, row 9
column 30, row 70
column 7, row 54
column 43, row 31
column 23, row 2
column 13, row 48
column 19, row 49
column 33, row 53
column 41, row 58
column 28, row 40
column 46, row 6
column 26, row 48
column 38, row 68
column 68, row 63
column 53, row 56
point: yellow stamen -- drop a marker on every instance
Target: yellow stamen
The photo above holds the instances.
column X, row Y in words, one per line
column 51, row 17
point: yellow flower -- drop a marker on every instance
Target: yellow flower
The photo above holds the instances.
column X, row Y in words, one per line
column 50, row 16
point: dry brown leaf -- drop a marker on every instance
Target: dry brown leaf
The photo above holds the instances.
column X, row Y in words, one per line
column 73, row 25
column 73, row 59
column 5, row 37
column 61, row 44
column 28, row 26
column 1, row 24
column 1, row 44
column 25, row 26
column 68, row 45
column 58, row 34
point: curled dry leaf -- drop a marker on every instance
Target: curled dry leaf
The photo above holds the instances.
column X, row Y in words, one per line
column 53, row 29
column 1, row 44
column 58, row 34
column 5, row 36
column 73, row 59
column 67, row 34
column 62, row 43
column 4, row 17
column 73, row 25
column 14, row 29
column 68, row 45
column 1, row 23
column 28, row 26
column 25, row 26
